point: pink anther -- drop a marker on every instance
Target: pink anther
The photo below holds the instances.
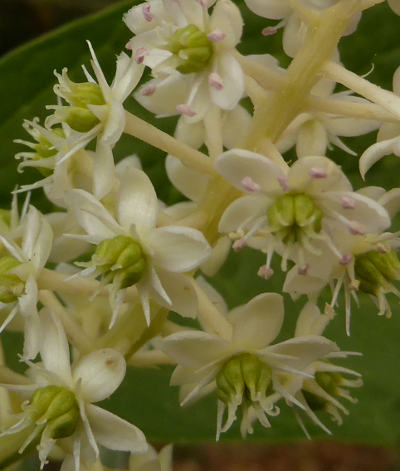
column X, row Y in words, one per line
column 216, row 35
column 265, row 272
column 149, row 90
column 250, row 185
column 347, row 202
column 147, row 13
column 216, row 81
column 316, row 172
column 185, row 110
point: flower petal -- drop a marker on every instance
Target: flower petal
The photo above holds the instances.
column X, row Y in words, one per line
column 226, row 17
column 242, row 213
column 189, row 182
column 236, row 164
column 54, row 348
column 273, row 9
column 231, row 73
column 376, row 152
column 103, row 170
column 99, row 374
column 115, row 433
column 137, row 201
column 257, row 323
column 311, row 321
column 195, row 348
column 178, row 249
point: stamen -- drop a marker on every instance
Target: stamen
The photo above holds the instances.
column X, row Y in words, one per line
column 147, row 13
column 139, row 55
column 346, row 259
column 316, row 172
column 216, row 35
column 347, row 202
column 265, row 272
column 356, row 228
column 216, row 81
column 202, row 3
column 269, row 31
column 303, row 270
column 149, row 90
column 239, row 245
column 283, row 182
column 250, row 185
column 185, row 110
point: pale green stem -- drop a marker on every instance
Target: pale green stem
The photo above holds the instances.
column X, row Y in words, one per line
column 269, row 149
column 388, row 100
column 149, row 359
column 261, row 79
column 161, row 140
column 80, row 339
column 213, row 128
column 303, row 73
column 212, row 319
column 8, row 376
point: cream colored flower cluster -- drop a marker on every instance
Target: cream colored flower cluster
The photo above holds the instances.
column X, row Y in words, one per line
column 91, row 285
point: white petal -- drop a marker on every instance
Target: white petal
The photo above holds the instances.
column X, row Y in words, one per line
column 54, row 348
column 103, row 170
column 391, row 201
column 294, row 35
column 376, row 152
column 147, row 461
column 231, row 73
column 395, row 6
column 165, row 456
column 99, row 374
column 219, row 253
column 127, row 76
column 300, row 176
column 236, row 164
column 195, row 349
column 169, row 93
column 92, row 215
column 311, row 321
column 273, row 9
column 180, row 292
column 212, row 294
column 297, row 285
column 189, row 182
column 257, row 323
column 236, row 124
column 226, row 17
column 178, row 249
column 136, row 21
column 115, row 433
column 242, row 212
column 351, row 127
column 32, row 336
column 192, row 134
column 303, row 350
column 137, row 201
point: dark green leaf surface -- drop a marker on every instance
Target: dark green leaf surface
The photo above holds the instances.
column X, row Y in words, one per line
column 26, row 81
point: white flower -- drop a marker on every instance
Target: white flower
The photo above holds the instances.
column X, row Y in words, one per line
column 388, row 138
column 395, row 6
column 96, row 111
column 19, row 271
column 191, row 54
column 161, row 254
column 243, row 366
column 294, row 16
column 293, row 210
column 314, row 132
column 369, row 264
column 329, row 382
column 60, row 398
column 151, row 460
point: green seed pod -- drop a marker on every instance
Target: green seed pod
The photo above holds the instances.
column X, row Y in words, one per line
column 193, row 49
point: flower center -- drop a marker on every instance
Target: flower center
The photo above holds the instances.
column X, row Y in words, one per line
column 57, row 408
column 193, row 49
column 329, row 382
column 11, row 286
column 243, row 377
column 293, row 216
column 120, row 260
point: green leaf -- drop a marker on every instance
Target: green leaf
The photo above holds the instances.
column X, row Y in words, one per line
column 145, row 399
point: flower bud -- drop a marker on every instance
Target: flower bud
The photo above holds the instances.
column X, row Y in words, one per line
column 376, row 270
column 11, row 286
column 244, row 376
column 193, row 49
column 121, row 260
column 293, row 214
column 56, row 407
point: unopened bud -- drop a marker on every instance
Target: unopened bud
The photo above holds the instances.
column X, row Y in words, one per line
column 329, row 382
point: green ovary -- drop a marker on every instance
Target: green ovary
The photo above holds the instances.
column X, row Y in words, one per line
column 121, row 260
column 294, row 215
column 11, row 286
column 192, row 48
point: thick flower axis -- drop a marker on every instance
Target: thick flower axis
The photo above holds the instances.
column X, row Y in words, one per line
column 11, row 286
column 193, row 49
column 293, row 216
column 120, row 260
